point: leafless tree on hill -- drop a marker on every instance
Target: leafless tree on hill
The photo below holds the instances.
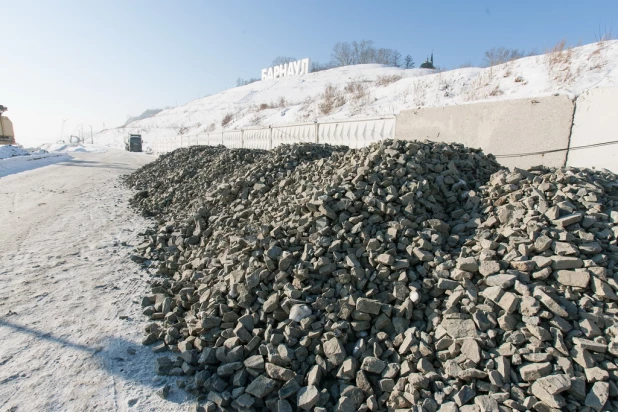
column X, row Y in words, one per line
column 409, row 63
column 395, row 59
column 500, row 55
column 363, row 52
column 343, row 54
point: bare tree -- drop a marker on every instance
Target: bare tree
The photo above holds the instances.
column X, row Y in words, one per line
column 382, row 56
column 409, row 63
column 343, row 54
column 500, row 55
column 282, row 60
column 363, row 52
column 318, row 67
column 395, row 59
column 242, row 82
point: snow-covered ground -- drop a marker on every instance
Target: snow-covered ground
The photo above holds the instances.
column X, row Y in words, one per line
column 71, row 148
column 365, row 90
column 9, row 151
column 14, row 159
column 70, row 321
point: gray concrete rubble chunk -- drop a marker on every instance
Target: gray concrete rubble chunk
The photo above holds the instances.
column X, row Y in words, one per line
column 471, row 350
column 509, row 302
column 448, row 407
column 271, row 303
column 385, row 259
column 307, row 397
column 566, row 262
column 489, row 267
column 288, row 389
column 460, row 328
column 278, row 372
column 542, row 243
column 598, row 395
column 550, row 303
column 574, row 278
column 486, row 403
column 554, row 384
column 261, row 386
column 602, row 289
column 345, row 404
column 568, row 220
column 439, row 225
column 553, row 401
column 335, row 351
column 535, row 371
column 284, row 406
column 503, row 281
column 468, row 264
column 372, row 364
column 465, row 394
column 368, row 306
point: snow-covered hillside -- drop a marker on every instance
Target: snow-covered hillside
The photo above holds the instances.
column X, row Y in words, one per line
column 375, row 90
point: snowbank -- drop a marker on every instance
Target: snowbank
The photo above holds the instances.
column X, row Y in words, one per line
column 376, row 90
column 67, row 148
column 12, row 151
column 23, row 163
column 14, row 159
column 86, row 149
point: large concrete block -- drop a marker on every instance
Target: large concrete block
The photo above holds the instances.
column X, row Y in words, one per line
column 595, row 121
column 506, row 127
column 356, row 133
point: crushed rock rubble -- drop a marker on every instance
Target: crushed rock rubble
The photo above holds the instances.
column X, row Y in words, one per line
column 404, row 276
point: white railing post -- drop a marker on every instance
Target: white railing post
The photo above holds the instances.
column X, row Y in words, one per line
column 394, row 127
column 317, row 132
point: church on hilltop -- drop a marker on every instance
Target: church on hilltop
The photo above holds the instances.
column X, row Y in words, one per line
column 428, row 63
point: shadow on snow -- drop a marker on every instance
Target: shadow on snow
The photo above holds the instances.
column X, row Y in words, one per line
column 118, row 357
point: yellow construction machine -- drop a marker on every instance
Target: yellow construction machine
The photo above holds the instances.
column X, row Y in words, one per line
column 7, row 135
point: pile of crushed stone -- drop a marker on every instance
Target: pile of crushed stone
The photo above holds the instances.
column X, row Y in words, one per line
column 402, row 276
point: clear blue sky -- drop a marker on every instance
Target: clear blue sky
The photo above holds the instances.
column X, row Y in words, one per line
column 95, row 62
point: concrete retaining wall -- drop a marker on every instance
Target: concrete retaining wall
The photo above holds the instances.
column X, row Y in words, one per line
column 288, row 134
column 596, row 121
column 232, row 139
column 512, row 130
column 257, row 138
column 501, row 127
column 354, row 133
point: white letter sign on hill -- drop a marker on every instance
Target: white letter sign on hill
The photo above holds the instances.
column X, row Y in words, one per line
column 288, row 69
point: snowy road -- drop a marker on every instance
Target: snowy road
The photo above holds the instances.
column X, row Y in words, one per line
column 65, row 282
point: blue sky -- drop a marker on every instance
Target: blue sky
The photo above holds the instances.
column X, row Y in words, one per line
column 94, row 63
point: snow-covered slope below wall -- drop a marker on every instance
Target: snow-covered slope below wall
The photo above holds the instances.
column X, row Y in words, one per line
column 375, row 90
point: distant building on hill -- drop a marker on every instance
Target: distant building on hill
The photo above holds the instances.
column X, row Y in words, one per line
column 428, row 63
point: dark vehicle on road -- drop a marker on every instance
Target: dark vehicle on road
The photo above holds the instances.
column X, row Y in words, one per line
column 133, row 143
